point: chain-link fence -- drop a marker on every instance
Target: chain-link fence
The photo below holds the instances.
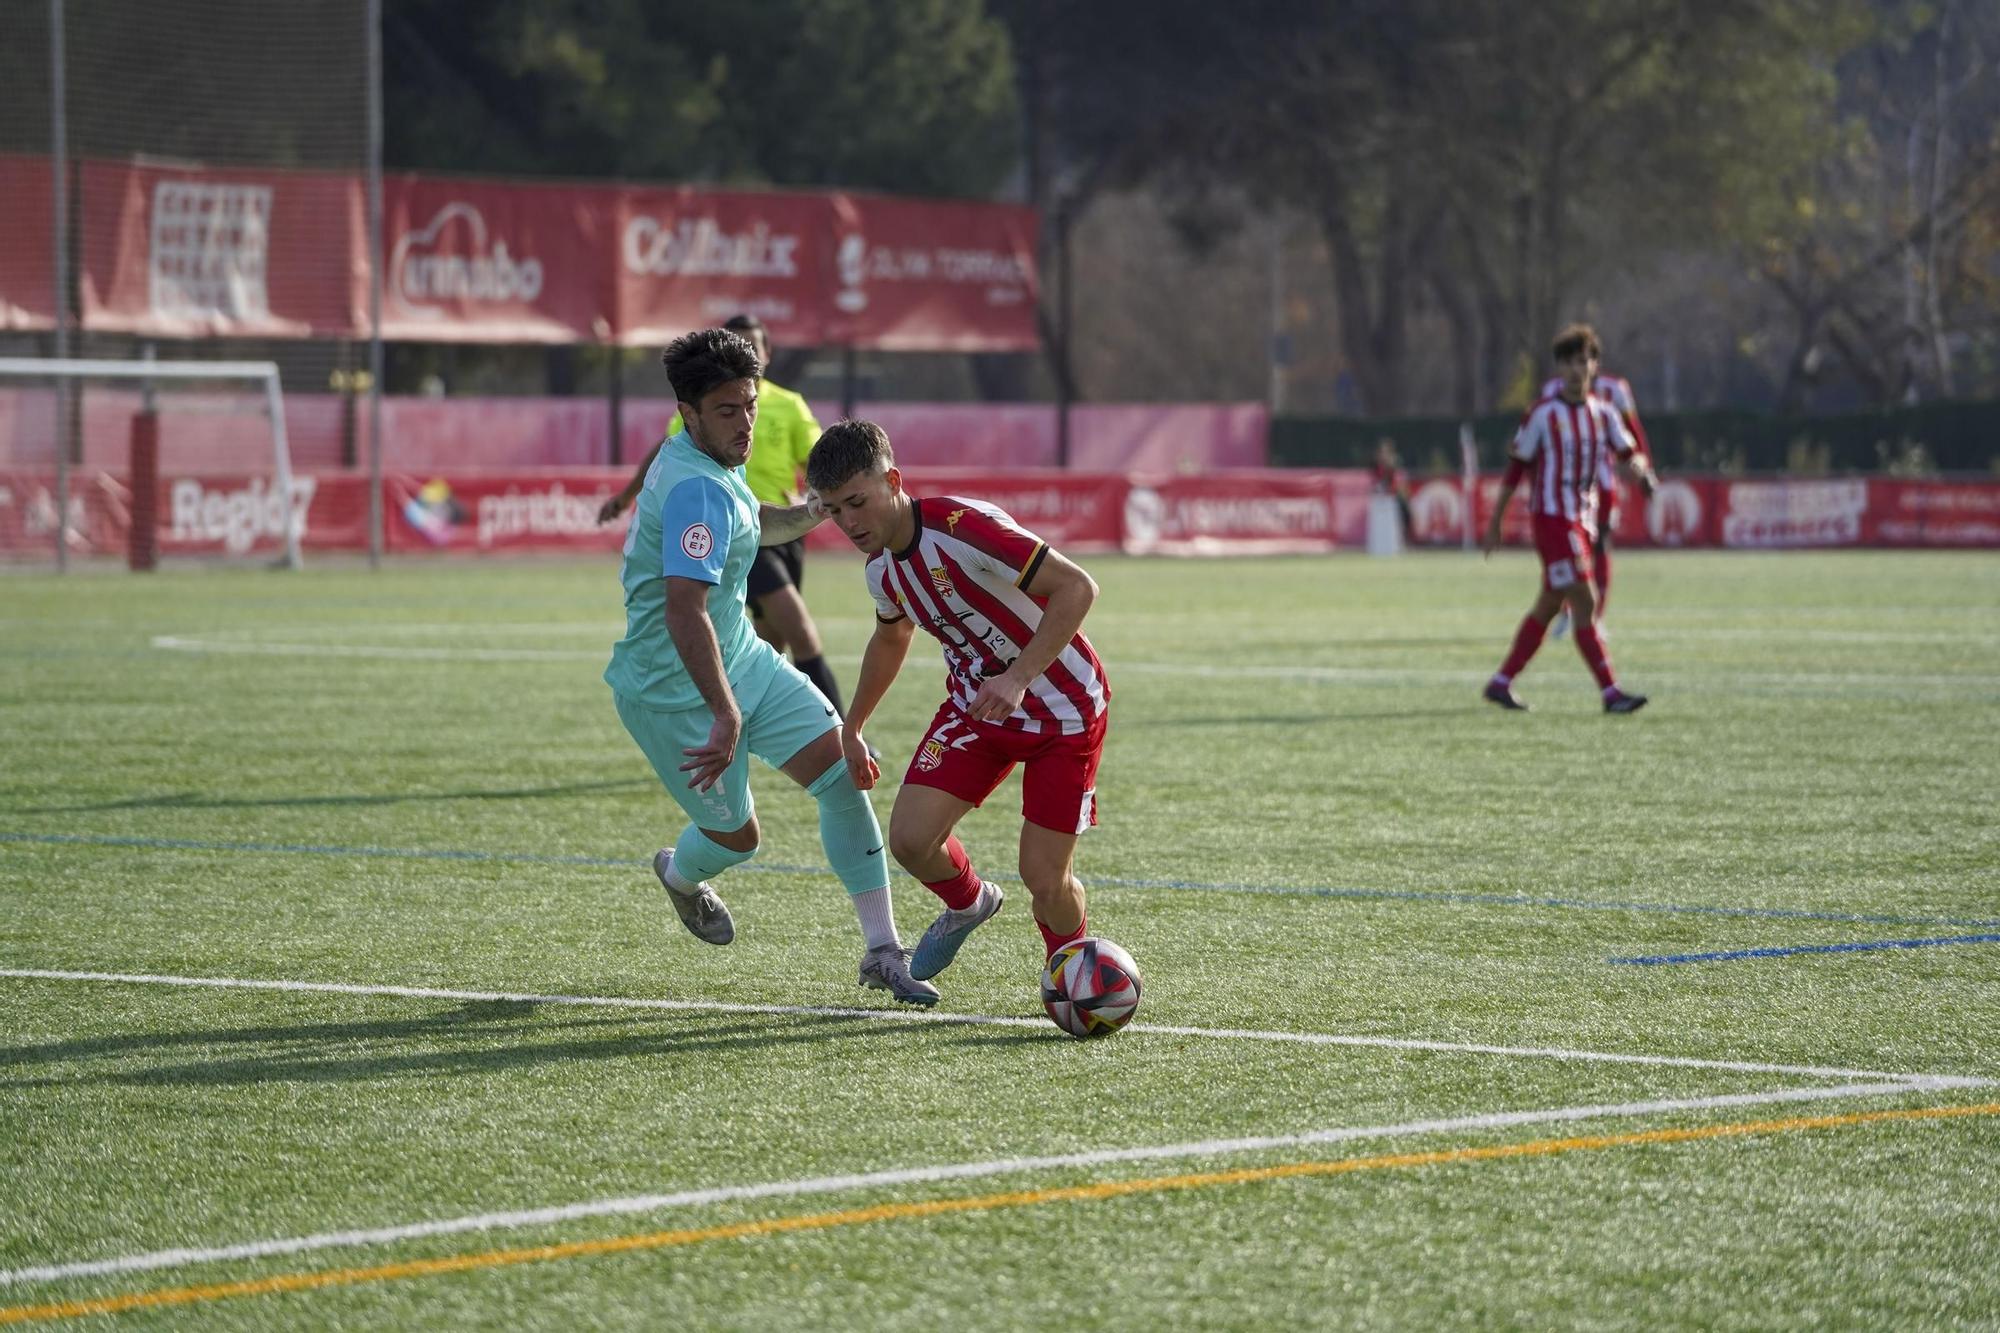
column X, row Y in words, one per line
column 193, row 136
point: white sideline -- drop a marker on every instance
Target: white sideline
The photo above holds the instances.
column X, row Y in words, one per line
column 1302, row 672
column 985, row 1020
column 646, row 1203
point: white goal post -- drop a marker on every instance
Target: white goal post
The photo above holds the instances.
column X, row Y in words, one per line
column 65, row 369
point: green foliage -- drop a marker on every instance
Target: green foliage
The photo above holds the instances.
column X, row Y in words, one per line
column 1487, row 153
column 914, row 96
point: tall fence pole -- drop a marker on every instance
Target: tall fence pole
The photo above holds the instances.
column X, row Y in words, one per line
column 59, row 164
column 375, row 357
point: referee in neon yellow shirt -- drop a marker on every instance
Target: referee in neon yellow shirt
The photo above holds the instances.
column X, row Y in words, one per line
column 784, row 433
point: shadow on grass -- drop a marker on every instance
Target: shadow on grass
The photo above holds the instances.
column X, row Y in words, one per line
column 483, row 1037
column 189, row 800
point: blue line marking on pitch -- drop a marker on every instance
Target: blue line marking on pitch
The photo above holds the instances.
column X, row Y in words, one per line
column 1786, row 951
column 1194, row 886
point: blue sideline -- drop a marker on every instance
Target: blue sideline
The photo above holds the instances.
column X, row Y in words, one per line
column 1864, row 946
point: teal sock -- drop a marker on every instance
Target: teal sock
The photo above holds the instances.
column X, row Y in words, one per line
column 698, row 857
column 848, row 831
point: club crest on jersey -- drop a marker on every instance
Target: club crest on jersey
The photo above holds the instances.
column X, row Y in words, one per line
column 941, row 579
column 930, row 755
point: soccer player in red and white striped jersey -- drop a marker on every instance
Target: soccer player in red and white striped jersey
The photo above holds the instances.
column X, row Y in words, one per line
column 1617, row 391
column 1022, row 684
column 1563, row 440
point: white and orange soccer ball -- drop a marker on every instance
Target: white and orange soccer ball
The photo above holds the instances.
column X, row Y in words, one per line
column 1090, row 987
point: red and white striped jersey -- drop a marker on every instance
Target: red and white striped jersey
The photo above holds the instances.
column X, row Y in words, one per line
column 962, row 578
column 1565, row 444
column 1616, row 390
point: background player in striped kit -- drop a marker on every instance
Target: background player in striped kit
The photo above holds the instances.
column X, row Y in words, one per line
column 1023, row 685
column 1564, row 439
column 1617, row 391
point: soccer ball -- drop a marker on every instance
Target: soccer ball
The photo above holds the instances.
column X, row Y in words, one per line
column 1090, row 987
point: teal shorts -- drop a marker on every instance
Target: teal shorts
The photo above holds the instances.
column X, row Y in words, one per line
column 783, row 712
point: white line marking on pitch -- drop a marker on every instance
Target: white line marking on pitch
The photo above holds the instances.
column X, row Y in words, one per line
column 1304, row 672
column 646, row 1203
column 179, row 643
column 1301, row 673
column 984, row 1020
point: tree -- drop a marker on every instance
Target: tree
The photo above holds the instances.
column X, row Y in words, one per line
column 1475, row 152
column 914, row 96
column 1890, row 244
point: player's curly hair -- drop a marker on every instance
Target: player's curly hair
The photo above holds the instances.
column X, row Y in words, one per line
column 844, row 451
column 1573, row 339
column 698, row 363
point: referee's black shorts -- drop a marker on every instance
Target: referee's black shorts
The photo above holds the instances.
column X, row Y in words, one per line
column 776, row 567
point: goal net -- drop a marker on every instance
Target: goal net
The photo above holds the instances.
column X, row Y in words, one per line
column 164, row 458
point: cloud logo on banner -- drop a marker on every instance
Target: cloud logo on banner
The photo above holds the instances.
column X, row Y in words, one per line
column 424, row 273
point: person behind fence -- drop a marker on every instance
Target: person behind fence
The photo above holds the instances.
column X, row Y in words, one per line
column 1562, row 439
column 1387, row 477
column 1023, row 685
column 700, row 692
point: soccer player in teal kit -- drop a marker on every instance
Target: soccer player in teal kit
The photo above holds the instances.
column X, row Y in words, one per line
column 701, row 693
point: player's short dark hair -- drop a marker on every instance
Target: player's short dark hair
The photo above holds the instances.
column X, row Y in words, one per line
column 845, row 450
column 1576, row 338
column 698, row 363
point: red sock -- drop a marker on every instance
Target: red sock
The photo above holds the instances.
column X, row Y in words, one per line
column 1592, row 647
column 962, row 889
column 1056, row 941
column 1527, row 639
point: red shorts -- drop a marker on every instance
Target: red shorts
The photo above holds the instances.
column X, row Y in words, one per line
column 969, row 759
column 1565, row 550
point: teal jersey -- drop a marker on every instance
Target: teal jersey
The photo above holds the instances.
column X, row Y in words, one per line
column 695, row 519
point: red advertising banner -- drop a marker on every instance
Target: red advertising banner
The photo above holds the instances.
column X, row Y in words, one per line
column 690, row 259
column 27, row 260
column 1247, row 513
column 933, row 275
column 1793, row 513
column 486, row 261
column 190, row 252
column 1931, row 513
column 198, row 516
column 187, row 253
column 1717, row 511
column 1077, row 511
column 548, row 511
column 1252, row 512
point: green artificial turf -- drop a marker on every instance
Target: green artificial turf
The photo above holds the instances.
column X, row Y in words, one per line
column 413, row 778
